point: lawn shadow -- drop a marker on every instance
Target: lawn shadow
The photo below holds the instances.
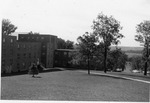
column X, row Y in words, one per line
column 14, row 74
column 26, row 72
column 37, row 77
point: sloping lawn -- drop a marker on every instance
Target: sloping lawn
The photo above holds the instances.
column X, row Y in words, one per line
column 72, row 85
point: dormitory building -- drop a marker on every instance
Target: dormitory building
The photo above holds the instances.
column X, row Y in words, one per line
column 19, row 54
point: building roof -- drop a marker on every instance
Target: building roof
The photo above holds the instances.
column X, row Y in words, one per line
column 67, row 50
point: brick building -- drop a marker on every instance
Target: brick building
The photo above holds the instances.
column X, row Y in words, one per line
column 17, row 55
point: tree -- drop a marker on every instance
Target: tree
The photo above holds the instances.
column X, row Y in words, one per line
column 107, row 30
column 143, row 30
column 117, row 59
column 137, row 63
column 35, row 33
column 69, row 44
column 7, row 27
column 87, row 46
column 62, row 44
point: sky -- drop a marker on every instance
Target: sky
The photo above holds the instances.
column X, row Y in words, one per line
column 69, row 19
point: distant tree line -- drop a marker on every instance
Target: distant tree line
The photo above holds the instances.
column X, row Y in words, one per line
column 133, row 51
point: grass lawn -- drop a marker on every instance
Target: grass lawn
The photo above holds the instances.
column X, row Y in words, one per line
column 72, row 85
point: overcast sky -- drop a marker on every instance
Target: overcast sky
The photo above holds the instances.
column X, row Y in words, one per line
column 69, row 19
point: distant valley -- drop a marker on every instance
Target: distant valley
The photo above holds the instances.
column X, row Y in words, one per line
column 130, row 51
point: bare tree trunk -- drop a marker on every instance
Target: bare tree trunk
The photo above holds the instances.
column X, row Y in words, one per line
column 145, row 69
column 105, row 60
column 88, row 64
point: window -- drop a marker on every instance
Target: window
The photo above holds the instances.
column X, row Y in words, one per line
column 11, row 45
column 4, row 54
column 42, row 38
column 11, row 51
column 4, row 40
column 65, row 53
column 18, row 56
column 24, row 46
column 11, row 40
column 34, row 55
column 18, row 66
column 43, row 46
column 3, row 62
column 23, row 64
column 29, row 55
column 3, row 46
column 56, row 53
column 35, row 47
column 18, row 46
column 29, row 47
column 22, row 38
column 11, row 61
column 24, row 55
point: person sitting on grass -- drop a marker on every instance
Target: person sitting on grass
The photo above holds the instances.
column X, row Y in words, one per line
column 33, row 70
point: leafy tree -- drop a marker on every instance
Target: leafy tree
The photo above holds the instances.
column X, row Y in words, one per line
column 69, row 44
column 87, row 46
column 107, row 30
column 78, row 60
column 117, row 59
column 7, row 27
column 137, row 63
column 99, row 56
column 62, row 44
column 35, row 33
column 143, row 30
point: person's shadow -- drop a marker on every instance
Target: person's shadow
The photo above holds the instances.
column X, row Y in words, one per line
column 37, row 77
